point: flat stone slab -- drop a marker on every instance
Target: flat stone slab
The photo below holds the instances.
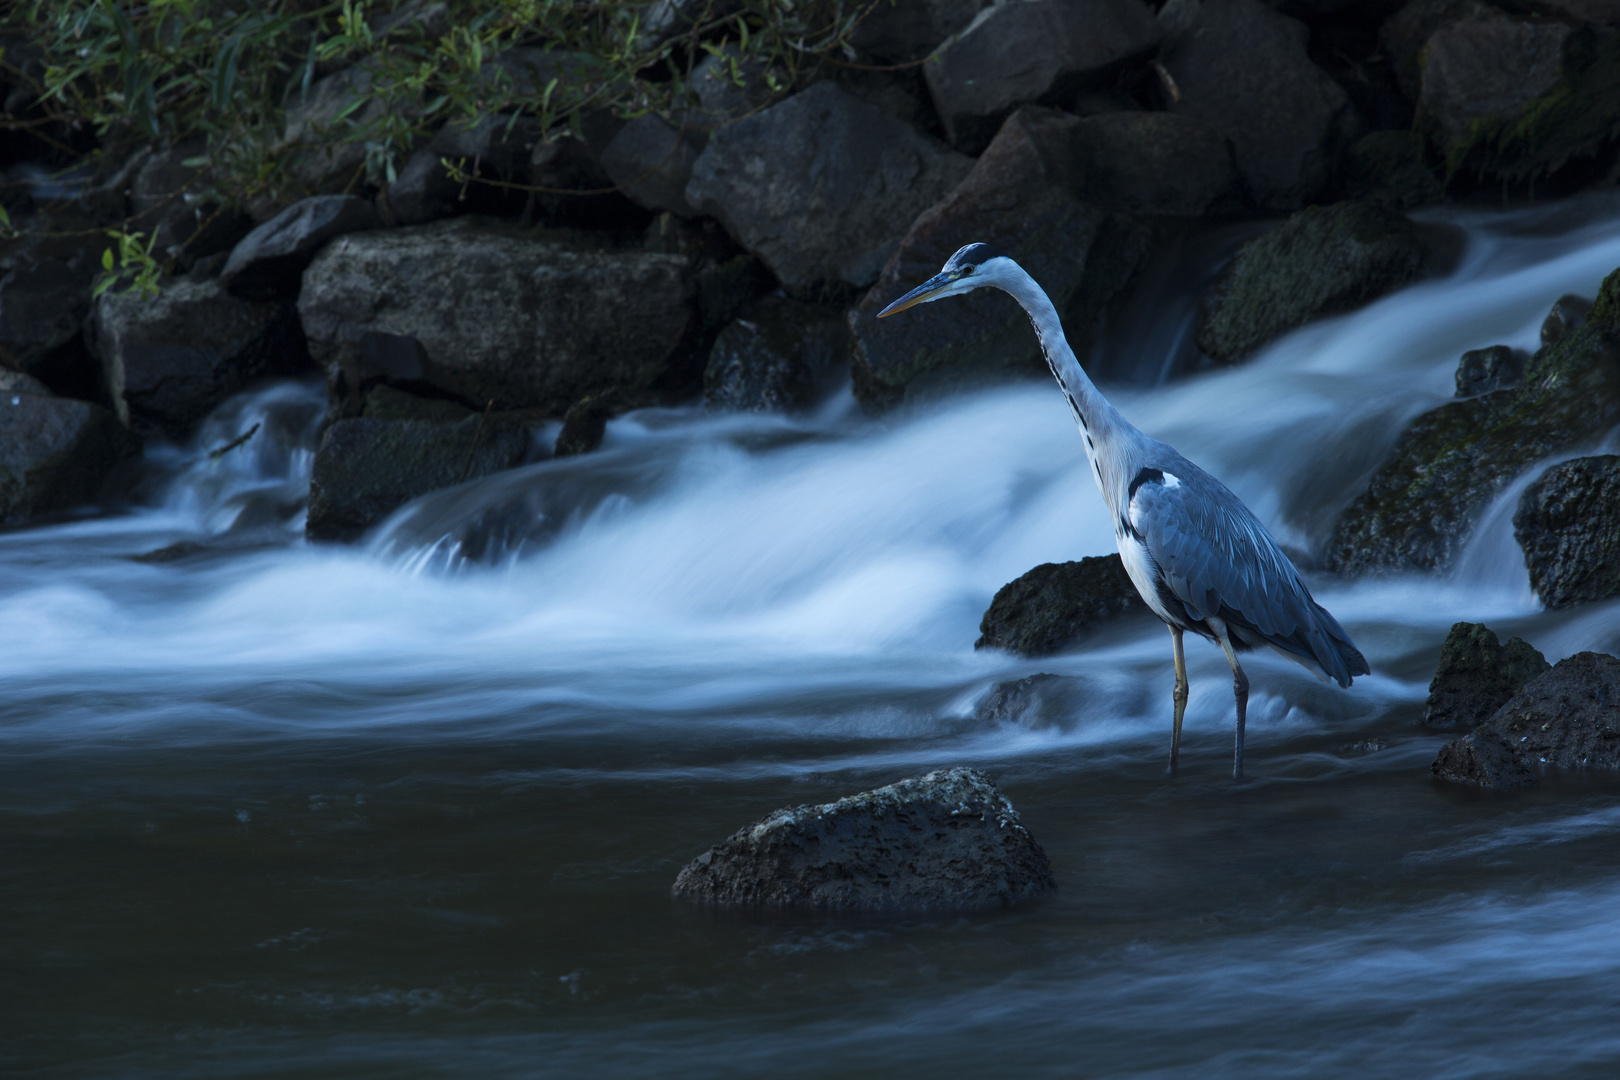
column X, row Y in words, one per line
column 949, row 840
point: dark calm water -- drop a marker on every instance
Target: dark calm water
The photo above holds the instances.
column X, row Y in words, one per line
column 413, row 808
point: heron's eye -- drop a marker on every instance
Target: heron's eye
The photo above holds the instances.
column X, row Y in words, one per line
column 966, row 270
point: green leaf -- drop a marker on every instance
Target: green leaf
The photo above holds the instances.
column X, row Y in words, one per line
column 107, row 259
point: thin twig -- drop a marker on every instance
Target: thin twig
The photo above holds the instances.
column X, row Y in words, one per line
column 215, row 455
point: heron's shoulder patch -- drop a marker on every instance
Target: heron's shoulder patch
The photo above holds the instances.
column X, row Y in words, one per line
column 1150, row 475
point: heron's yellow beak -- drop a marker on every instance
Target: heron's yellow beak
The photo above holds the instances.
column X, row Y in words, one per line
column 922, row 293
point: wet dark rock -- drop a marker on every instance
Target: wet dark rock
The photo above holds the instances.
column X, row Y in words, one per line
column 1495, row 367
column 1322, row 260
column 55, row 453
column 584, row 425
column 1242, row 68
column 725, row 280
column 1567, row 718
column 1476, row 674
column 169, row 206
column 1032, row 51
column 1403, row 35
column 1393, row 166
column 778, row 355
column 651, row 162
column 498, row 147
column 1569, row 314
column 1568, row 525
column 170, row 360
column 949, row 840
column 384, row 402
column 481, row 313
column 45, row 281
column 1020, row 197
column 1035, row 701
column 901, row 33
column 1488, row 66
column 366, row 468
column 1422, row 502
column 1156, row 163
column 270, row 260
column 1052, row 606
column 822, row 186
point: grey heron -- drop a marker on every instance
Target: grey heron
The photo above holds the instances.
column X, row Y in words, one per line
column 1200, row 558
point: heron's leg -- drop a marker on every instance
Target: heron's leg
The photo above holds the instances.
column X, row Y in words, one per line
column 1180, row 697
column 1240, row 691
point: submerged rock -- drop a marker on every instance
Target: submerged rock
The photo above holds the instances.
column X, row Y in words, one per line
column 1049, row 608
column 1568, row 718
column 949, row 840
column 1568, row 525
column 777, row 355
column 1322, row 260
column 55, row 453
column 1035, row 701
column 1496, row 367
column 1476, row 674
column 1423, row 501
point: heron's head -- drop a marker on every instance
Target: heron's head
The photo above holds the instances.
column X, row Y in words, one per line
column 972, row 267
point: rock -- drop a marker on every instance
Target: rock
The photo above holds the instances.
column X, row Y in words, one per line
column 1402, row 36
column 55, row 453
column 727, row 88
column 170, row 360
column 366, row 468
column 1025, row 51
column 1158, row 164
column 778, row 355
column 45, row 281
column 498, row 147
column 1488, row 66
column 726, row 280
column 1392, row 166
column 1568, row 314
column 1322, row 260
column 1568, row 525
column 822, row 186
column 481, row 313
column 318, row 122
column 565, row 166
column 1020, row 197
column 651, row 162
column 902, row 33
column 1242, row 68
column 945, row 841
column 1496, row 367
column 1567, row 718
column 1036, row 701
column 1476, row 674
column 271, row 259
column 1422, row 502
column 168, row 202
column 384, row 402
column 584, row 425
column 1048, row 609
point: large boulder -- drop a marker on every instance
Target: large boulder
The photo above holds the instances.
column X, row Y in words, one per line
column 1476, row 674
column 1322, row 260
column 1156, row 163
column 945, row 841
column 169, row 360
column 777, row 355
column 55, row 453
column 485, row 313
column 822, row 186
column 1568, row 525
column 1568, row 718
column 45, row 280
column 1422, row 502
column 365, row 468
column 1243, row 69
column 1054, row 605
column 1020, row 197
column 1024, row 51
column 270, row 260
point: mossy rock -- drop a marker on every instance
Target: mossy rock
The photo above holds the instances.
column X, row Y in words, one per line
column 1052, row 606
column 1422, row 503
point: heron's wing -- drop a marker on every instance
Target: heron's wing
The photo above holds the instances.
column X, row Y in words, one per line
column 1216, row 559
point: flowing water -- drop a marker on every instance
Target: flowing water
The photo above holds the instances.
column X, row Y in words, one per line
column 413, row 808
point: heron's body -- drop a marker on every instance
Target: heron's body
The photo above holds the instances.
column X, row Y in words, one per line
column 1201, row 560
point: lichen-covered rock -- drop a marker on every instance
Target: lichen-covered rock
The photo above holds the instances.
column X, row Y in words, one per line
column 1422, row 502
column 1322, row 260
column 949, row 840
column 1020, row 197
column 777, row 355
column 1476, row 674
column 1053, row 605
column 1568, row 525
column 55, row 453
column 1029, row 51
column 170, row 360
column 822, row 186
column 1495, row 367
column 1035, row 701
column 270, row 260
column 1567, row 718
column 1243, row 69
column 480, row 312
column 366, row 468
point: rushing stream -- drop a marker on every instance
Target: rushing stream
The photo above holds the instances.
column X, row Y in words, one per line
column 413, row 808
